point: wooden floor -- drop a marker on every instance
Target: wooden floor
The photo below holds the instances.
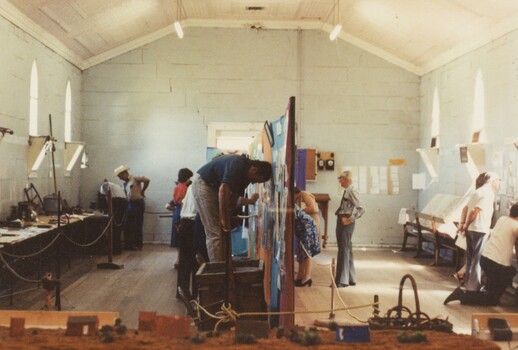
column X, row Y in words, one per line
column 148, row 280
column 379, row 271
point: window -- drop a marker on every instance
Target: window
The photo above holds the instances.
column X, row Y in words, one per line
column 68, row 114
column 478, row 109
column 436, row 122
column 233, row 136
column 33, row 107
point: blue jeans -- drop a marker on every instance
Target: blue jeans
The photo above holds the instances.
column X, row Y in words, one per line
column 475, row 244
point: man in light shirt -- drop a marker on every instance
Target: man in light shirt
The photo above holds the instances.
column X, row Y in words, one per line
column 496, row 261
column 115, row 197
column 476, row 221
column 349, row 211
column 185, row 240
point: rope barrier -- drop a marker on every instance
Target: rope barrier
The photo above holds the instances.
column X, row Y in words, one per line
column 59, row 233
column 227, row 314
column 122, row 220
column 33, row 254
column 91, row 243
column 19, row 292
column 312, row 260
column 334, row 287
column 14, row 272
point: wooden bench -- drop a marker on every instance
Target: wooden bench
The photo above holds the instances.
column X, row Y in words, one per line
column 427, row 226
column 423, row 227
column 413, row 229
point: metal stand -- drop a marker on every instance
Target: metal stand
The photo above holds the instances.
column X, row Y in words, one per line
column 110, row 264
column 58, row 253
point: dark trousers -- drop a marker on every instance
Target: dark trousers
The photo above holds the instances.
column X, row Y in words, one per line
column 200, row 239
column 119, row 206
column 133, row 230
column 499, row 277
column 187, row 261
column 345, row 271
column 174, row 227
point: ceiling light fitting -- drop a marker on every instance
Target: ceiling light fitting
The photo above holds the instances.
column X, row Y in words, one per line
column 338, row 27
column 177, row 26
column 336, row 30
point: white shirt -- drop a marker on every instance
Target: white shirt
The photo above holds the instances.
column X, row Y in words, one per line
column 499, row 247
column 189, row 210
column 116, row 190
column 483, row 199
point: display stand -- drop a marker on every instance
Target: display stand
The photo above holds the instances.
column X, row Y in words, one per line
column 110, row 264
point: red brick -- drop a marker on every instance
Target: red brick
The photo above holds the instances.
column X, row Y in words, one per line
column 173, row 326
column 77, row 325
column 147, row 321
column 17, row 327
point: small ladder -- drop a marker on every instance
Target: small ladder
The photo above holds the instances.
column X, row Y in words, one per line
column 32, row 194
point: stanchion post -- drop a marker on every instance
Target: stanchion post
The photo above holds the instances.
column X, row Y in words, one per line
column 332, row 313
column 376, row 306
column 110, row 264
column 58, row 256
column 110, row 229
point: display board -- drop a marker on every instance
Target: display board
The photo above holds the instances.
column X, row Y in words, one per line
column 272, row 227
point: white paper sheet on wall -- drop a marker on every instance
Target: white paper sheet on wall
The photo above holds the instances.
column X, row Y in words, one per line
column 394, row 179
column 374, row 180
column 419, row 181
column 383, row 180
column 362, row 179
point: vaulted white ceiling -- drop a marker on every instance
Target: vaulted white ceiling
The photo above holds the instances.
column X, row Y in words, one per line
column 418, row 35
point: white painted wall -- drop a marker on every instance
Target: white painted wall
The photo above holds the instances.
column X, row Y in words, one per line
column 18, row 52
column 455, row 82
column 150, row 108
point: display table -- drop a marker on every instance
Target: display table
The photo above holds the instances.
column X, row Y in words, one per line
column 30, row 230
column 29, row 253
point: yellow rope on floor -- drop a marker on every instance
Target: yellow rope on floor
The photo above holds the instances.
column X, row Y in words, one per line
column 227, row 314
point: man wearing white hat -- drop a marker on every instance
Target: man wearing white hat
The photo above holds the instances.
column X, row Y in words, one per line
column 116, row 198
column 350, row 209
column 135, row 188
column 476, row 222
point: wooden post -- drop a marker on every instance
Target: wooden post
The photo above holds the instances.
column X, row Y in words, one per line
column 332, row 313
column 229, row 275
column 58, row 255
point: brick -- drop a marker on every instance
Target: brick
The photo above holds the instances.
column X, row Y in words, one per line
column 17, row 327
column 173, row 326
column 147, row 321
column 82, row 325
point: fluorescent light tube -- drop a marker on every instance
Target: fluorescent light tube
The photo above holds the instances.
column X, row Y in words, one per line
column 335, row 32
column 178, row 29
